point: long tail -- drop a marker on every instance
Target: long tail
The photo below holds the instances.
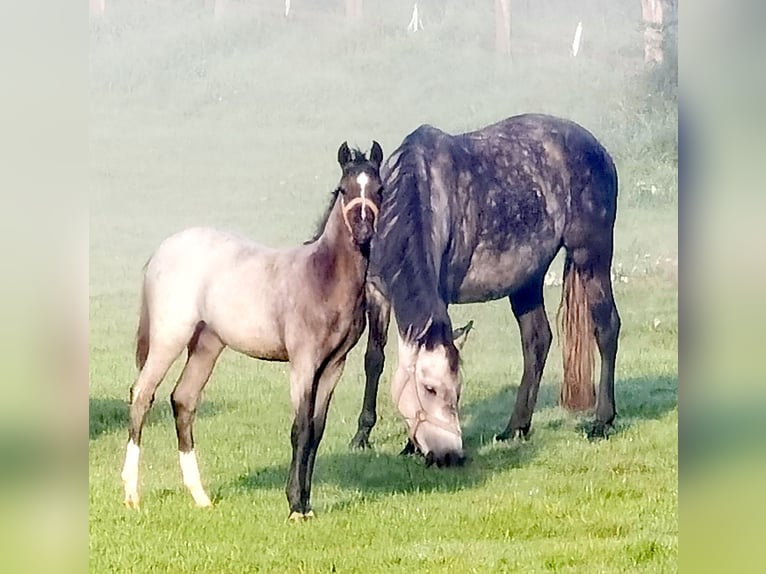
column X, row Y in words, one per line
column 142, row 333
column 577, row 337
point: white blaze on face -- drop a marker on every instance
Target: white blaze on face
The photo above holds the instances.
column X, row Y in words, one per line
column 191, row 477
column 363, row 179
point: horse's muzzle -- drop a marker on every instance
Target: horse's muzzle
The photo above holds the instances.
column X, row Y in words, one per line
column 362, row 232
column 457, row 458
column 442, row 446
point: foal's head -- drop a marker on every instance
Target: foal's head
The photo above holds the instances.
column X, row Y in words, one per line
column 360, row 190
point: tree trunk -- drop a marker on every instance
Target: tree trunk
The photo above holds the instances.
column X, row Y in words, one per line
column 652, row 12
column 353, row 10
column 97, row 7
column 503, row 27
column 219, row 8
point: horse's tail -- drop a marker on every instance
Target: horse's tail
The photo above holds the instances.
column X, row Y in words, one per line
column 142, row 333
column 577, row 337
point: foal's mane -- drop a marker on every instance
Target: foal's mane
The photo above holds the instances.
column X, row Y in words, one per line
column 357, row 157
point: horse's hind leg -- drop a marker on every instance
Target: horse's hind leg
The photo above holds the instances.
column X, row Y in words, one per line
column 378, row 314
column 159, row 359
column 529, row 310
column 204, row 349
column 606, row 322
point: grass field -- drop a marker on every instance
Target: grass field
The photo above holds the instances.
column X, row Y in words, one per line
column 235, row 123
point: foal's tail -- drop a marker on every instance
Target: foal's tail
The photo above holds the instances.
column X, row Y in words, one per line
column 576, row 333
column 142, row 333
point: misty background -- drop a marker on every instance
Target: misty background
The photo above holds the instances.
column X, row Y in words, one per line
column 233, row 117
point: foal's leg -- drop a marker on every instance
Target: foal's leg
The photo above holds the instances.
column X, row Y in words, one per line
column 606, row 322
column 158, row 361
column 325, row 388
column 204, row 350
column 529, row 310
column 303, row 374
column 379, row 315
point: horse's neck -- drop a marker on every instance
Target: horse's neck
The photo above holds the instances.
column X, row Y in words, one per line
column 336, row 247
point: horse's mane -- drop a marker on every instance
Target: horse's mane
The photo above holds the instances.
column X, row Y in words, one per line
column 357, row 157
column 404, row 258
column 325, row 216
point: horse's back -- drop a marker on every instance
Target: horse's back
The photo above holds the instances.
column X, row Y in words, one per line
column 502, row 197
column 195, row 253
column 203, row 274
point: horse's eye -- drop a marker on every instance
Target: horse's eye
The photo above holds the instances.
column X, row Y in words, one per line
column 430, row 390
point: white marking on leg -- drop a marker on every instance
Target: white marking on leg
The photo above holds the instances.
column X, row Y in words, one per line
column 363, row 179
column 130, row 474
column 192, row 479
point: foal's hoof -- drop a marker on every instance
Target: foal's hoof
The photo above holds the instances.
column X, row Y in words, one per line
column 201, row 499
column 131, row 501
column 296, row 516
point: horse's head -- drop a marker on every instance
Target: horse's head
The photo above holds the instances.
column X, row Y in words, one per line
column 426, row 390
column 360, row 190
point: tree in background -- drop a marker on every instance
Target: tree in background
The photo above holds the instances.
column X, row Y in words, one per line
column 97, row 7
column 503, row 27
column 659, row 17
column 353, row 10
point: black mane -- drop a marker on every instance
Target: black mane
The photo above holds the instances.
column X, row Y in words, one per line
column 325, row 216
column 404, row 258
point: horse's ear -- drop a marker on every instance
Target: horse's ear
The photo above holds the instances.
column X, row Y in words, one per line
column 344, row 154
column 376, row 153
column 460, row 335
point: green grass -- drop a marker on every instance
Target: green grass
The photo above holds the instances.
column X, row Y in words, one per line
column 236, row 123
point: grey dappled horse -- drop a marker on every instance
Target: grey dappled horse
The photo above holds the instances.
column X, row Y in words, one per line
column 480, row 216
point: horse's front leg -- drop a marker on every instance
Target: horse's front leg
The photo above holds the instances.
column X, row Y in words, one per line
column 308, row 429
column 379, row 315
column 324, row 390
column 303, row 397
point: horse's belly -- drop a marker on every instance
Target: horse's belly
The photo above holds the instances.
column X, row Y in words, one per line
column 247, row 325
column 493, row 275
column 263, row 349
column 255, row 342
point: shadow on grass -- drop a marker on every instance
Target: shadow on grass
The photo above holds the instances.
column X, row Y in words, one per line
column 106, row 415
column 638, row 398
column 384, row 474
column 375, row 473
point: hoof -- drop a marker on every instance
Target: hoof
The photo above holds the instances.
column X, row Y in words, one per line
column 409, row 449
column 520, row 434
column 296, row 516
column 201, row 499
column 131, row 501
column 360, row 441
column 598, row 430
